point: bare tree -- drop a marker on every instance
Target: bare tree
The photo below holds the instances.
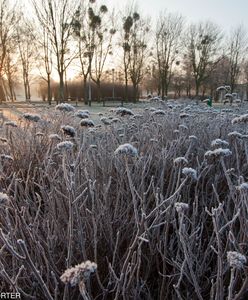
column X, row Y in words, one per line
column 135, row 49
column 25, row 37
column 7, row 23
column 168, row 36
column 237, row 45
column 10, row 71
column 56, row 16
column 101, row 36
column 45, row 62
column 83, row 26
column 203, row 44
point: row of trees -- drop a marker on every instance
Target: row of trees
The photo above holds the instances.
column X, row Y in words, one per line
column 57, row 34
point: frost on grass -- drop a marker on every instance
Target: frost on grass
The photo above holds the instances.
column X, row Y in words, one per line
column 180, row 161
column 184, row 115
column 3, row 140
column 115, row 120
column 159, row 112
column 65, row 146
column 243, row 187
column 124, row 111
column 183, row 127
column 31, row 117
column 4, row 199
column 54, row 137
column 127, row 149
column 106, row 121
column 217, row 153
column 87, row 123
column 236, row 260
column 81, row 272
column 82, row 114
column 68, row 130
column 39, row 133
column 193, row 138
column 65, row 107
column 190, row 172
column 235, row 134
column 240, row 119
column 219, row 143
column 228, row 95
column 6, row 157
column 181, row 207
column 10, row 124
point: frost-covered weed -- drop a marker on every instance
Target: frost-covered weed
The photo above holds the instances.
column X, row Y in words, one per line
column 181, row 207
column 219, row 143
column 190, row 172
column 71, row 204
column 236, row 260
column 4, row 199
column 10, row 124
column 235, row 134
column 82, row 114
column 193, row 138
column 68, row 130
column 87, row 123
column 32, row 117
column 159, row 112
column 65, row 107
column 240, row 119
column 3, row 140
column 54, row 136
column 217, row 153
column 106, row 121
column 124, row 111
column 184, row 115
column 74, row 275
column 180, row 161
column 243, row 187
column 65, row 146
column 127, row 149
column 6, row 157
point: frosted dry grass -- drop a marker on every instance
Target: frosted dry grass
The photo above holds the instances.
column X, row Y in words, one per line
column 161, row 224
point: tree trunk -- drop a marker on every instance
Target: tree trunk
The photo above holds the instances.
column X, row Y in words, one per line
column 61, row 87
column 126, row 86
column 98, row 83
column 197, row 87
column 135, row 92
column 29, row 93
column 85, row 92
column 49, row 97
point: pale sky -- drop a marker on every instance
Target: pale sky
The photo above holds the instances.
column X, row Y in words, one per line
column 226, row 13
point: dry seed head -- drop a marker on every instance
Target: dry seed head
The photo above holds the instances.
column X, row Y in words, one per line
column 4, row 199
column 54, row 136
column 181, row 207
column 6, row 157
column 65, row 146
column 127, row 149
column 243, row 187
column 236, row 259
column 10, row 124
column 217, row 153
column 68, row 130
column 180, row 161
column 65, row 107
column 81, row 272
column 219, row 143
column 190, row 172
column 32, row 117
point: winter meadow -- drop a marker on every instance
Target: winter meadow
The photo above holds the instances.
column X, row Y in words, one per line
column 123, row 154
